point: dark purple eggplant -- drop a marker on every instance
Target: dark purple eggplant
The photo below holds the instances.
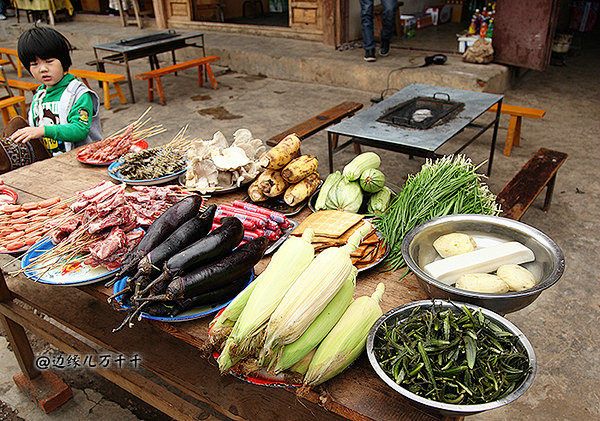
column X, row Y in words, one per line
column 216, row 244
column 216, row 274
column 216, row 296
column 157, row 232
column 186, row 234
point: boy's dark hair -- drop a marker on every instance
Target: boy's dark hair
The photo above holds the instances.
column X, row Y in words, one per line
column 45, row 43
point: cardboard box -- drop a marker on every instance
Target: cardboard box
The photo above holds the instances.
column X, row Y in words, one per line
column 424, row 20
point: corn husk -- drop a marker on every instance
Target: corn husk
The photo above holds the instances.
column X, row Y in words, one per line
column 346, row 341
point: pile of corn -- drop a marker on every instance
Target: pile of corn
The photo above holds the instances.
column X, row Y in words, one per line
column 298, row 319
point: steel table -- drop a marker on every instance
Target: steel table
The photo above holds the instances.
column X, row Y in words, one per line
column 363, row 128
column 125, row 50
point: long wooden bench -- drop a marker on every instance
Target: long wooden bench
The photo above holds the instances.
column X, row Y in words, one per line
column 319, row 122
column 13, row 58
column 7, row 107
column 22, row 86
column 513, row 137
column 152, row 75
column 520, row 192
column 106, row 79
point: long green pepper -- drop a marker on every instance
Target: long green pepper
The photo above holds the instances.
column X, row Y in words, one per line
column 451, row 356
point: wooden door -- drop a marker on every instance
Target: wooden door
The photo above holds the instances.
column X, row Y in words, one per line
column 524, row 31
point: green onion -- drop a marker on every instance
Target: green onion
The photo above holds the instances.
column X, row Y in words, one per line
column 448, row 186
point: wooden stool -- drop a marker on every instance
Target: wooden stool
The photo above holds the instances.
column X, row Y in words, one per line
column 321, row 121
column 378, row 21
column 13, row 58
column 513, row 137
column 106, row 79
column 520, row 192
column 22, row 86
column 7, row 107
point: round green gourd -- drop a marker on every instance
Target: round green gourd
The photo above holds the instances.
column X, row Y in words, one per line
column 372, row 180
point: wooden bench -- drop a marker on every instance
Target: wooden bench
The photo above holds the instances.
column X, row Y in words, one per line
column 7, row 107
column 516, row 112
column 520, row 192
column 319, row 122
column 22, row 86
column 152, row 75
column 13, row 58
column 106, row 79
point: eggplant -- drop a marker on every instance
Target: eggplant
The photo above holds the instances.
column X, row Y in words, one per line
column 216, row 244
column 215, row 274
column 157, row 232
column 186, row 234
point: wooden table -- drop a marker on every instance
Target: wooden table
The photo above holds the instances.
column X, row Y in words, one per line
column 175, row 376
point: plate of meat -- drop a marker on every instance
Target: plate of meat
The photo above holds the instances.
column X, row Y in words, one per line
column 39, row 264
column 70, row 274
column 103, row 153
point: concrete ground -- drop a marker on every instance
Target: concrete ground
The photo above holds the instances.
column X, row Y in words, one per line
column 269, row 85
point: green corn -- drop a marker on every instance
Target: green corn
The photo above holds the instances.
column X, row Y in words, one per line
column 286, row 265
column 347, row 339
column 294, row 352
column 221, row 326
column 311, row 293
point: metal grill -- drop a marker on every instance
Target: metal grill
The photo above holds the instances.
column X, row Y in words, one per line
column 148, row 38
column 422, row 112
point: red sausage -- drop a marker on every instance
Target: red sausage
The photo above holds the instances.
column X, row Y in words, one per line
column 49, row 202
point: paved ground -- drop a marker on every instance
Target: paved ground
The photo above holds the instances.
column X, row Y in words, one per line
column 562, row 324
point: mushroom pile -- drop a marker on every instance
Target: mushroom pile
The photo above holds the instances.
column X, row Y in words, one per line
column 215, row 164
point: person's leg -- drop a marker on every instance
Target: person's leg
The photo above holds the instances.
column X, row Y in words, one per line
column 388, row 23
column 366, row 19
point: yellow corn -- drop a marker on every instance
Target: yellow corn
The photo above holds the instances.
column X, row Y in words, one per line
column 286, row 265
column 314, row 334
column 313, row 290
column 347, row 339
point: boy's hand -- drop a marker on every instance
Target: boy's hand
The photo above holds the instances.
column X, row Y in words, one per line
column 27, row 133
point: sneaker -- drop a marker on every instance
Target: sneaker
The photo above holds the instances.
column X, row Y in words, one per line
column 384, row 50
column 2, row 17
column 370, row 55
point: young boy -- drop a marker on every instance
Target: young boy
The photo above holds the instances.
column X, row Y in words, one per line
column 64, row 112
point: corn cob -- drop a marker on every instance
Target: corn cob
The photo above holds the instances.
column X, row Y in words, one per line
column 288, row 262
column 220, row 327
column 347, row 339
column 313, row 290
column 294, row 352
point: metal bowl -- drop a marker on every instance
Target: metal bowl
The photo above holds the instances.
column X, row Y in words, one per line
column 486, row 230
column 445, row 409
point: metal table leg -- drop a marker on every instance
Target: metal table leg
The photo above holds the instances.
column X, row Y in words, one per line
column 126, row 62
column 494, row 135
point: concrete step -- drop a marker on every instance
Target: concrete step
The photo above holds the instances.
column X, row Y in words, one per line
column 307, row 61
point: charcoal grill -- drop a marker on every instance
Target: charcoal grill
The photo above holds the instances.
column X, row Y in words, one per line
column 417, row 121
column 422, row 112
